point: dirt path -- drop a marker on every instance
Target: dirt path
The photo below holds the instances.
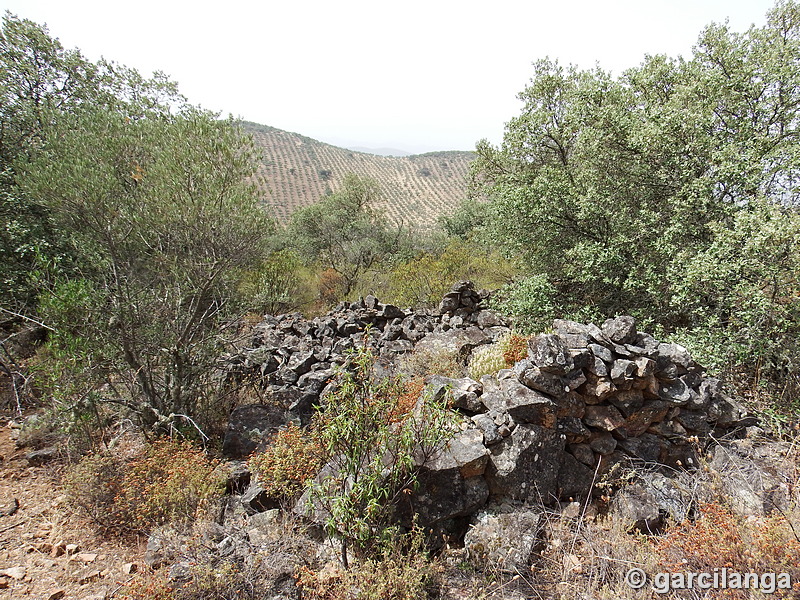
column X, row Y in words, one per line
column 46, row 551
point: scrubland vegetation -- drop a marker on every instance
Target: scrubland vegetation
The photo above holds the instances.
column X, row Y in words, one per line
column 136, row 243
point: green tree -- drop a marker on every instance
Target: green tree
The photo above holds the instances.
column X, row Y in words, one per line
column 618, row 192
column 376, row 442
column 164, row 216
column 343, row 232
column 40, row 80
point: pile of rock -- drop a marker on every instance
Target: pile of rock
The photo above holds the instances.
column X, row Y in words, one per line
column 586, row 397
column 544, row 431
column 294, row 359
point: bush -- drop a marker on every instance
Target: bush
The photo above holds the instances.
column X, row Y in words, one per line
column 719, row 538
column 293, row 457
column 397, row 574
column 376, row 443
column 426, row 278
column 509, row 349
column 226, row 581
column 530, row 302
column 169, row 482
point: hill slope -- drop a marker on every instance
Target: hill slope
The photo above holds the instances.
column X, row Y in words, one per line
column 297, row 171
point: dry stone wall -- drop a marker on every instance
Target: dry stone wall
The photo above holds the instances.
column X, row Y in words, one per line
column 585, row 398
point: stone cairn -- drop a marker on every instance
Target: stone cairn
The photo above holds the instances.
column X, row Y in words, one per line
column 585, row 398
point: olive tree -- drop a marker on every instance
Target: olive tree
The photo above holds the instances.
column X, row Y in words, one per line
column 344, row 232
column 165, row 216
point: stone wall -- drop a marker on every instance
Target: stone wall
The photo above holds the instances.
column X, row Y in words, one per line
column 586, row 397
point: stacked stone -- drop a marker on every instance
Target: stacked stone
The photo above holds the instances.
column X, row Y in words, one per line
column 294, row 359
column 586, row 398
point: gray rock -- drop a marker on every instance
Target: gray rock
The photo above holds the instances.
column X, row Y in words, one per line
column 525, row 405
column 621, row 330
column 583, row 453
column 37, row 458
column 627, row 401
column 602, row 353
column 603, row 443
column 507, row 542
column 550, row 354
column 675, row 392
column 651, row 412
column 251, row 427
column 256, row 499
column 673, row 354
column 607, row 418
column 485, row 423
column 542, row 381
column 574, row 478
column 458, row 342
column 525, row 465
column 622, row 370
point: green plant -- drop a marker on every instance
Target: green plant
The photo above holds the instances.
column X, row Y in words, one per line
column 375, row 446
column 168, row 482
column 529, row 301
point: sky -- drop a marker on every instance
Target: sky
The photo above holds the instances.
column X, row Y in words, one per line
column 416, row 75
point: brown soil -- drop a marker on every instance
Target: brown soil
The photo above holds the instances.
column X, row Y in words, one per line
column 43, row 520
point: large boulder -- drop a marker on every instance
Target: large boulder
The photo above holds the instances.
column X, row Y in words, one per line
column 525, row 465
column 450, row 482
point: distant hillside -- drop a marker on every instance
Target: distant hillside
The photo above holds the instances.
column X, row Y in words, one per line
column 298, row 171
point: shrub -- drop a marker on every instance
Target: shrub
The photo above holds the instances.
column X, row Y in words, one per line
column 426, row 278
column 222, row 582
column 293, row 458
column 432, row 361
column 169, row 482
column 397, row 574
column 486, row 360
column 509, row 349
column 530, row 302
column 375, row 444
column 721, row 539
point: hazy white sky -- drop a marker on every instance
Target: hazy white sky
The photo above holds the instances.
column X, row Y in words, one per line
column 417, row 75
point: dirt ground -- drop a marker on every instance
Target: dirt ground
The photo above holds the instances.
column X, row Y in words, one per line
column 46, row 551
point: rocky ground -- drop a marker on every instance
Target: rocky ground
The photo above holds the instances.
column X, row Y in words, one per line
column 46, row 551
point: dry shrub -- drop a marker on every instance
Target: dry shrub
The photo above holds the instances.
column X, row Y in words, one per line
column 509, row 349
column 169, row 482
column 721, row 539
column 399, row 574
column 590, row 559
column 226, row 581
column 432, row 361
column 407, row 398
column 294, row 456
column 516, row 349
